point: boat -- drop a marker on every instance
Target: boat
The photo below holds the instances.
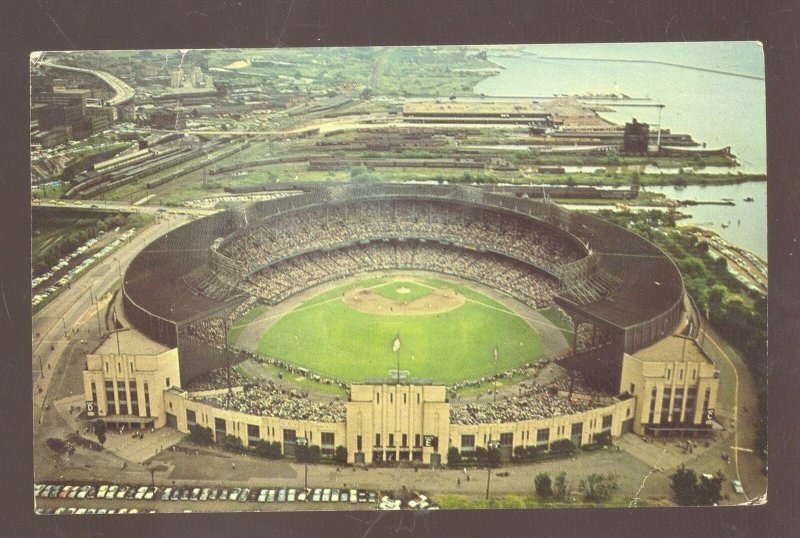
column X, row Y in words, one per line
column 749, row 199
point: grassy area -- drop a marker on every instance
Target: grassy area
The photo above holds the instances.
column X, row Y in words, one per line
column 556, row 318
column 237, row 328
column 518, row 500
column 335, row 340
column 301, row 383
column 485, row 387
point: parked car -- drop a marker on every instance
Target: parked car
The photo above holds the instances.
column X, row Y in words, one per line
column 130, row 494
column 271, row 496
column 111, row 492
column 195, row 494
column 166, row 494
column 150, row 493
column 121, row 492
column 344, row 496
column 253, row 495
column 204, row 494
column 223, row 495
column 244, row 494
column 64, row 492
column 362, row 496
column 212, row 496
column 334, row 495
column 140, row 493
column 281, row 495
column 353, row 496
column 290, row 495
column 302, row 495
column 316, row 496
column 326, row 495
column 262, row 497
column 185, row 492
column 234, row 494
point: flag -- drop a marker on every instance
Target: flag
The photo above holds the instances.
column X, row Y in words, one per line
column 396, row 343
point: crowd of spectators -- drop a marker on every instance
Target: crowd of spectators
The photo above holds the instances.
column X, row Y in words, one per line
column 533, row 402
column 264, row 397
column 285, row 278
column 336, row 225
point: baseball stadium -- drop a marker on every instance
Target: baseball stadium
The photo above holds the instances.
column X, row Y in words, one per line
column 402, row 320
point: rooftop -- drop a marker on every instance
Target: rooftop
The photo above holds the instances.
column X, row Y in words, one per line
column 672, row 348
column 472, row 107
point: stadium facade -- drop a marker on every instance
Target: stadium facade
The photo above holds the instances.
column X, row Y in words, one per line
column 615, row 285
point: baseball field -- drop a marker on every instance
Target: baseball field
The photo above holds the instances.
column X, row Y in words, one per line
column 447, row 332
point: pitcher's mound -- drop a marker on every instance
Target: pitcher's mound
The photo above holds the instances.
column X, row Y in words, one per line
column 436, row 302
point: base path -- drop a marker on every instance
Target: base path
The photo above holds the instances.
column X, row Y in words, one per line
column 436, row 302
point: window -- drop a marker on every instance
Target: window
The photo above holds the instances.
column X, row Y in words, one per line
column 416, row 437
column 327, row 439
column 134, row 398
column 506, row 439
column 289, row 436
column 378, row 399
column 607, row 420
column 119, row 368
column 106, row 366
column 418, row 397
column 391, row 439
column 146, row 400
column 131, row 364
column 577, row 429
column 694, row 374
column 168, row 385
column 220, row 426
column 404, row 440
column 358, row 443
column 253, row 432
column 467, row 443
column 111, row 407
column 633, row 388
column 669, row 374
column 391, row 398
column 404, row 397
column 94, row 394
column 377, row 439
column 191, row 417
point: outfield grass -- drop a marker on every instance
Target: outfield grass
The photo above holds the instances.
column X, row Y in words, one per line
column 335, row 340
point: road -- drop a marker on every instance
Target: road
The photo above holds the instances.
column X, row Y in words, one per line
column 124, row 206
column 53, row 327
column 122, row 92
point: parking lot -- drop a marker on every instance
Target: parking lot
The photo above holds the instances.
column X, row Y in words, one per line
column 131, row 499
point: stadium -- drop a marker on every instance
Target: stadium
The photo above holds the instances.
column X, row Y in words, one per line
column 400, row 295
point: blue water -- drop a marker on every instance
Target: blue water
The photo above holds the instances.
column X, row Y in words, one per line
column 715, row 108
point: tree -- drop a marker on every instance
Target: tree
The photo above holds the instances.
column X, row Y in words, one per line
column 314, row 454
column 481, row 456
column 453, row 457
column 493, row 457
column 100, row 429
column 543, row 485
column 340, row 455
column 688, row 492
column 683, row 486
column 597, row 487
column 301, row 453
column 200, row 435
column 232, row 443
column 520, row 453
column 560, row 486
column 367, row 93
column 708, row 491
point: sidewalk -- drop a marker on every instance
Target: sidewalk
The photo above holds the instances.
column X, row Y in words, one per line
column 122, row 445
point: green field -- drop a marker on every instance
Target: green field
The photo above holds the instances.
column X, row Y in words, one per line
column 333, row 339
column 402, row 290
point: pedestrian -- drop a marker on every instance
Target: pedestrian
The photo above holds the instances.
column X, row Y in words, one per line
column 233, row 466
column 459, row 482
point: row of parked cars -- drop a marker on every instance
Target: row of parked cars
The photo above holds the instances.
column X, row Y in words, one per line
column 188, row 493
column 80, row 511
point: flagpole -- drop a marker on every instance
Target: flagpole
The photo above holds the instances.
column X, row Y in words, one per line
column 495, row 374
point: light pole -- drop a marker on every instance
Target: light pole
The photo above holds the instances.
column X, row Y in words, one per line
column 64, row 323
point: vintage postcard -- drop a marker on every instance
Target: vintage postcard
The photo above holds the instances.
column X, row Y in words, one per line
column 399, row 278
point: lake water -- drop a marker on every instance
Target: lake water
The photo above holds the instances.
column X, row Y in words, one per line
column 716, row 108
